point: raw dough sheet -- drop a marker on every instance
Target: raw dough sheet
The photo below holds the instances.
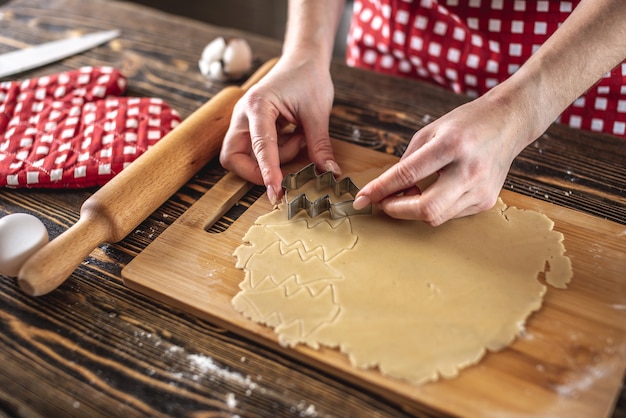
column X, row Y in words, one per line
column 417, row 302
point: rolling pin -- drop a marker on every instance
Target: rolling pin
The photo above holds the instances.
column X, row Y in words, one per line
column 119, row 206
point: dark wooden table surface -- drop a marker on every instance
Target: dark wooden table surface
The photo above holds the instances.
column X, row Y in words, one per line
column 95, row 348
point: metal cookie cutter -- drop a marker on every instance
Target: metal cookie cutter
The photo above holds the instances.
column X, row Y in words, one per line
column 314, row 208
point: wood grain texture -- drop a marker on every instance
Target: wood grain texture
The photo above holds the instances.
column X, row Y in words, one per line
column 94, row 347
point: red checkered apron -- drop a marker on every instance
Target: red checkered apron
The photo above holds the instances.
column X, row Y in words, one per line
column 470, row 46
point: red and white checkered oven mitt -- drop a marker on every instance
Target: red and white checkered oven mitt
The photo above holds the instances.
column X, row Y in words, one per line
column 73, row 129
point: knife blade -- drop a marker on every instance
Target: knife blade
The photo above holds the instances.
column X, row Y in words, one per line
column 28, row 58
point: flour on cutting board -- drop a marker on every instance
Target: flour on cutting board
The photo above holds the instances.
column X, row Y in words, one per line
column 416, row 302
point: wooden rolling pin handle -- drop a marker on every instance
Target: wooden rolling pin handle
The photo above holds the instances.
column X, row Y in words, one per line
column 119, row 206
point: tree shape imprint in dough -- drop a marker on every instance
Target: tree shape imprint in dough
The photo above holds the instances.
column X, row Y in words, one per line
column 417, row 302
column 298, row 278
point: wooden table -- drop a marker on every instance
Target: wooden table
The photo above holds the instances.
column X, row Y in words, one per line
column 95, row 348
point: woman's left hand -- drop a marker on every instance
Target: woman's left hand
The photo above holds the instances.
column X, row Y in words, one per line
column 470, row 150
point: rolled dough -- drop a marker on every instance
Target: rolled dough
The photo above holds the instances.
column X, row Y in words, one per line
column 417, row 302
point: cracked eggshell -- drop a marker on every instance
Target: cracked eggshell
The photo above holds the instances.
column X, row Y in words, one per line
column 224, row 60
column 237, row 58
column 214, row 50
column 211, row 60
column 214, row 70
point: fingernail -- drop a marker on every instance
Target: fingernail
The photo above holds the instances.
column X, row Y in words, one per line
column 333, row 167
column 361, row 202
column 271, row 195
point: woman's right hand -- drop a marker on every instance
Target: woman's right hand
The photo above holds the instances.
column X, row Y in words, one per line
column 297, row 92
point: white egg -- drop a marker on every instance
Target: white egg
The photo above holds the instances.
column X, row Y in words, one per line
column 21, row 235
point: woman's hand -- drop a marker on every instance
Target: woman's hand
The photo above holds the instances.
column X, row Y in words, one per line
column 472, row 147
column 295, row 93
column 469, row 151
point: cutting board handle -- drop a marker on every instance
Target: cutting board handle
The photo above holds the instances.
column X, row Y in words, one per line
column 118, row 207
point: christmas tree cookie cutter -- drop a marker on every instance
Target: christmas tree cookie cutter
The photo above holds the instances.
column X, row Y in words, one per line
column 314, row 208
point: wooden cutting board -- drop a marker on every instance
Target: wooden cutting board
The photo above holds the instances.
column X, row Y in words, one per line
column 570, row 362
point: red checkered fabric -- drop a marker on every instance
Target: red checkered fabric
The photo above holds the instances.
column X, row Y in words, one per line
column 73, row 130
column 470, row 46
